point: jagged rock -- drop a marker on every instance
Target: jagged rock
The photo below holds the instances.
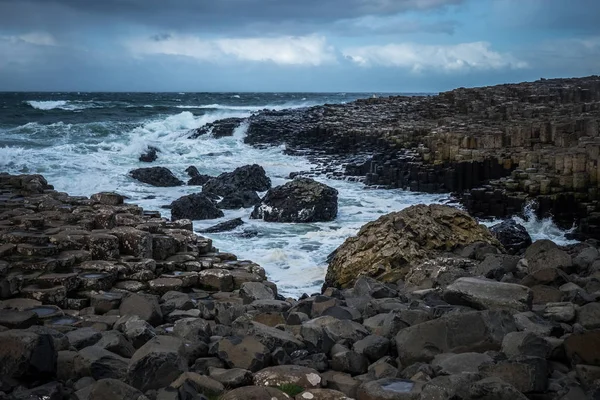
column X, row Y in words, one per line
column 218, row 129
column 224, row 226
column 301, row 200
column 156, row 176
column 387, row 248
column 231, row 378
column 514, row 237
column 195, row 207
column 372, row 346
column 84, row 337
column 248, row 177
column 157, row 363
column 150, row 155
column 115, row 342
column 484, row 294
column 195, row 384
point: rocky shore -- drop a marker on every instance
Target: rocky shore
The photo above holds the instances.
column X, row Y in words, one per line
column 100, row 299
column 497, row 147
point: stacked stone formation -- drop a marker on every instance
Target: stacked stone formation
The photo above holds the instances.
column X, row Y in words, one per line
column 103, row 300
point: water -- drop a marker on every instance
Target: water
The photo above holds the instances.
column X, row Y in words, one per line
column 84, row 143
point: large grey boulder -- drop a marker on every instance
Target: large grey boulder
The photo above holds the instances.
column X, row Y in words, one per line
column 195, row 206
column 157, row 363
column 474, row 331
column 485, row 294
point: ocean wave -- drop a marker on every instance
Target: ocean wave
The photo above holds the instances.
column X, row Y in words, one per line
column 245, row 108
column 47, row 105
column 70, row 105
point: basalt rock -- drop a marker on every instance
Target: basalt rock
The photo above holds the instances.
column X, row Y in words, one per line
column 221, row 128
column 156, row 176
column 150, row 155
column 514, row 237
column 301, row 200
column 388, row 248
column 248, row 177
column 195, row 207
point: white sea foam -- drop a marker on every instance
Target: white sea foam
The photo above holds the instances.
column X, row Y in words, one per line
column 83, row 159
column 245, row 108
column 47, row 105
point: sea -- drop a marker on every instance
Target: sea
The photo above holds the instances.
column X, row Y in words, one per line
column 84, row 143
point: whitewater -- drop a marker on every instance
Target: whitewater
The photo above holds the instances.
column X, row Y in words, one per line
column 87, row 143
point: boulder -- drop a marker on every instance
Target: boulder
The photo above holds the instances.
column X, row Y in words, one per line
column 249, row 177
column 26, row 354
column 301, row 200
column 196, row 178
column 223, row 226
column 156, row 176
column 513, row 236
column 486, row 294
column 449, row 334
column 387, row 248
column 114, row 389
column 144, row 306
column 545, row 254
column 150, row 155
column 99, row 363
column 195, row 207
column 157, row 363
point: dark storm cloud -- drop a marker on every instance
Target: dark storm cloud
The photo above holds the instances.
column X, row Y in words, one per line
column 202, row 15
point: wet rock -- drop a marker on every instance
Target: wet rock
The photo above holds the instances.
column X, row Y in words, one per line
column 483, row 294
column 137, row 331
column 116, row 342
column 108, row 198
column 155, row 176
column 218, row 129
column 224, row 226
column 150, row 155
column 156, row 364
column 301, row 200
column 513, row 236
column 195, row 207
column 249, row 177
column 389, row 389
column 83, row 337
column 387, row 248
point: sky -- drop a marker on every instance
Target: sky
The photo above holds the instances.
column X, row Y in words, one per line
column 293, row 45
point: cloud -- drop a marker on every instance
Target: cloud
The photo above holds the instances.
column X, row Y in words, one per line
column 286, row 50
column 418, row 58
column 201, row 15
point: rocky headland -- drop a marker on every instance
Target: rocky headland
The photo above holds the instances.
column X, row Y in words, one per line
column 497, row 148
column 100, row 299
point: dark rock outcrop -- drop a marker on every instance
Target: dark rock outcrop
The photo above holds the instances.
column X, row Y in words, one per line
column 218, row 129
column 195, row 207
column 301, row 200
column 196, row 178
column 224, row 226
column 248, row 177
column 156, row 176
column 150, row 155
column 514, row 237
